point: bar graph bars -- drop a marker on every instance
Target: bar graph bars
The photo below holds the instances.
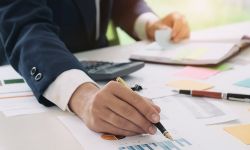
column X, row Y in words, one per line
column 177, row 144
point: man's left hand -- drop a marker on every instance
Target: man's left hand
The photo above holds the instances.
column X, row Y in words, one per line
column 175, row 21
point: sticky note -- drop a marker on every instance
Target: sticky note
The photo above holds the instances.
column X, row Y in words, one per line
column 163, row 36
column 244, row 83
column 189, row 85
column 241, row 132
column 197, row 72
column 222, row 67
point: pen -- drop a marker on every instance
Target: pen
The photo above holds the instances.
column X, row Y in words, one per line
column 157, row 125
column 217, row 95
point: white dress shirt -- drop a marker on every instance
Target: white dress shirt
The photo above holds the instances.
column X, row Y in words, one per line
column 60, row 91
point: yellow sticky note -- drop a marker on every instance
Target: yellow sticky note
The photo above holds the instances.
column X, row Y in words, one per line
column 196, row 53
column 241, row 132
column 189, row 85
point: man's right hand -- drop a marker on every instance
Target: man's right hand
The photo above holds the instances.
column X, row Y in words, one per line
column 114, row 109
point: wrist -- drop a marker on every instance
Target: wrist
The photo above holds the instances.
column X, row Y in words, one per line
column 81, row 96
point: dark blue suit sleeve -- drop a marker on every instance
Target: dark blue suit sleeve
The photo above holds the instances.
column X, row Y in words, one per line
column 125, row 13
column 30, row 39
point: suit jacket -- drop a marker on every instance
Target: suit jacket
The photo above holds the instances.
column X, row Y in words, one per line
column 38, row 37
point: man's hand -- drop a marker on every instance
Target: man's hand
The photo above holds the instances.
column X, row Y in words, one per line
column 114, row 109
column 176, row 21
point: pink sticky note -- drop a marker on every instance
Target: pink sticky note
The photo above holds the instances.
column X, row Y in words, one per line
column 197, row 72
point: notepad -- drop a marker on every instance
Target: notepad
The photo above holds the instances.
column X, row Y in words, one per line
column 197, row 72
column 244, row 83
column 189, row 85
column 242, row 132
column 190, row 52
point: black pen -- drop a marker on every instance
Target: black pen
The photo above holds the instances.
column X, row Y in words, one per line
column 163, row 130
column 217, row 95
column 157, row 125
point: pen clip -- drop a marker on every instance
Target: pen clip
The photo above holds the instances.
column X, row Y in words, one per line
column 239, row 99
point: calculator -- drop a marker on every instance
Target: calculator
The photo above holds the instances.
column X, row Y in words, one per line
column 103, row 70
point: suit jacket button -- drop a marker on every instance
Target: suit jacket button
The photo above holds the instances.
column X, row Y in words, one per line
column 38, row 77
column 33, row 71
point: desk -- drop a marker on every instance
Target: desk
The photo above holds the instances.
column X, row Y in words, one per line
column 45, row 132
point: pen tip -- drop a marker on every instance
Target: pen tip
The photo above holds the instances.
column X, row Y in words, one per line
column 167, row 135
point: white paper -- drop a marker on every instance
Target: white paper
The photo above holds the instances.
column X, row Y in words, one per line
column 207, row 111
column 21, row 106
column 156, row 92
column 188, row 134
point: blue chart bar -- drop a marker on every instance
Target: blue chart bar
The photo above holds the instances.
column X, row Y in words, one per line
column 177, row 144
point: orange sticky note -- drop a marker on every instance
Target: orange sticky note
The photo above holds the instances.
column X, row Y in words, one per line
column 242, row 132
column 189, row 85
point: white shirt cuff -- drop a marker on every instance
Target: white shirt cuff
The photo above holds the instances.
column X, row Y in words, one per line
column 60, row 91
column 141, row 22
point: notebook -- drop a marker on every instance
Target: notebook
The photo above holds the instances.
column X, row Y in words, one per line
column 192, row 52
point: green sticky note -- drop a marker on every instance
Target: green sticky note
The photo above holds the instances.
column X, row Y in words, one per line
column 222, row 67
column 244, row 83
column 13, row 81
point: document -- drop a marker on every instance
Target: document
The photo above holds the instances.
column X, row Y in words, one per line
column 16, row 97
column 188, row 135
column 207, row 111
column 21, row 106
column 156, row 92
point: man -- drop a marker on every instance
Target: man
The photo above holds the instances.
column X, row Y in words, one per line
column 39, row 36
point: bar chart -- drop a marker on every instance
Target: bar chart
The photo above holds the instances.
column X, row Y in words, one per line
column 177, row 144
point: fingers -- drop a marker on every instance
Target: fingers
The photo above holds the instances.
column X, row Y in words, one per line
column 180, row 30
column 179, row 25
column 158, row 109
column 135, row 100
column 120, row 122
column 106, row 127
column 132, row 116
column 115, row 109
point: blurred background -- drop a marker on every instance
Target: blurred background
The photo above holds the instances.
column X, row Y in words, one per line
column 200, row 14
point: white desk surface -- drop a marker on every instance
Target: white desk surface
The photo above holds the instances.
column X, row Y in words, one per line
column 45, row 132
